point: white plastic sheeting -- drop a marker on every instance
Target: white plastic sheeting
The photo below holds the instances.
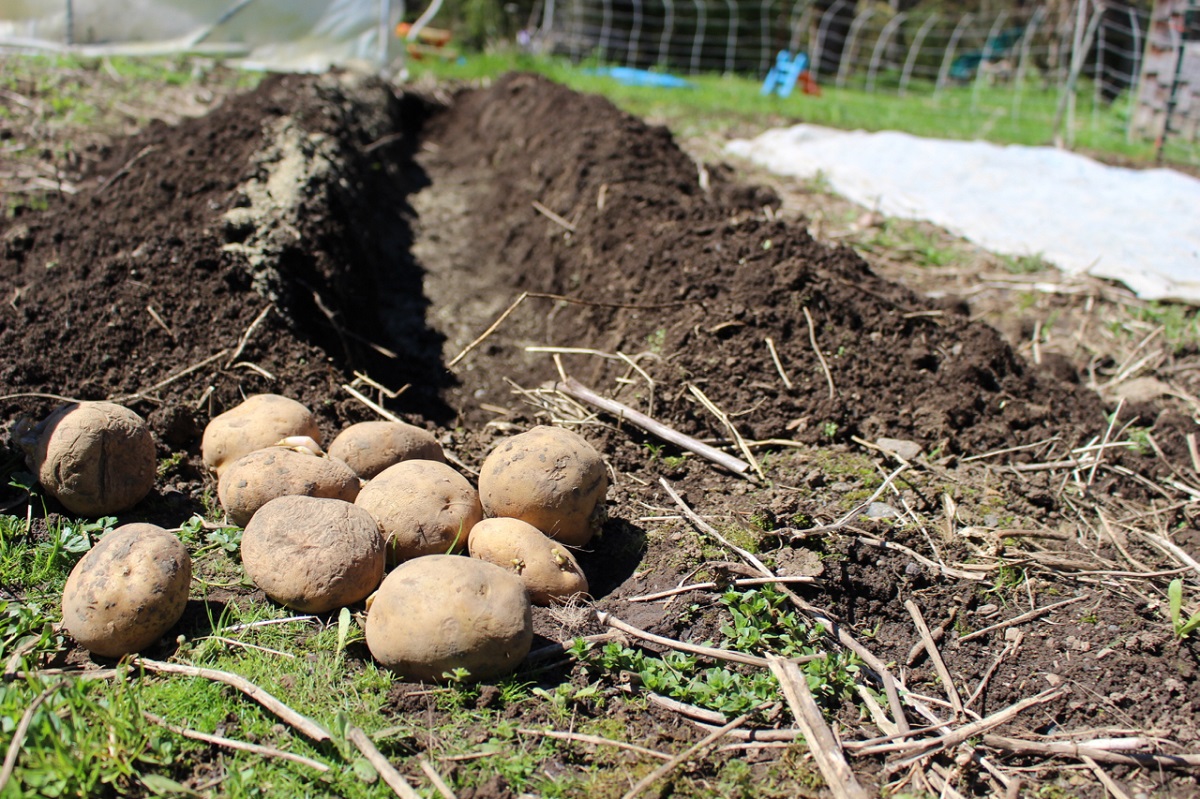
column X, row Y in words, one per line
column 1139, row 227
column 293, row 35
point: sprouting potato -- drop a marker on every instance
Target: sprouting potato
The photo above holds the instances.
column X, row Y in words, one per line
column 262, row 420
column 547, row 567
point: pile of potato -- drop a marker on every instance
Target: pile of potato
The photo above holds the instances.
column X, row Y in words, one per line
column 322, row 529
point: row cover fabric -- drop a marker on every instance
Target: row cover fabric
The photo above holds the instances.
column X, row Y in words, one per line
column 1139, row 227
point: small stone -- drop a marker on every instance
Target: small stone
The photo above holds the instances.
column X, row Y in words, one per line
column 880, row 510
column 902, row 447
column 987, row 610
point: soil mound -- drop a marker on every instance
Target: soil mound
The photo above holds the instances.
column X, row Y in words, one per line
column 301, row 195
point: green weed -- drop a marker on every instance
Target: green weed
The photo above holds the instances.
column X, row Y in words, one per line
column 1182, row 627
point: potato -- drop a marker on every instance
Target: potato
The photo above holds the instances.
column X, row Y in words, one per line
column 548, row 569
column 423, row 508
column 370, row 447
column 255, row 479
column 550, row 477
column 435, row 614
column 313, row 554
column 127, row 591
column 96, row 458
column 263, row 420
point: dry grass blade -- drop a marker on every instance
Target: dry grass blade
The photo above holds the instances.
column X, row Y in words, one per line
column 435, row 778
column 821, row 742
column 303, row 724
column 935, row 656
column 723, row 418
column 245, row 339
column 812, row 338
column 683, row 757
column 778, row 363
column 670, row 643
column 230, row 743
column 1065, row 749
column 18, row 739
column 704, row 526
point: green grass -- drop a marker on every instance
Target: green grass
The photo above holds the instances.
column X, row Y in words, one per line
column 720, row 103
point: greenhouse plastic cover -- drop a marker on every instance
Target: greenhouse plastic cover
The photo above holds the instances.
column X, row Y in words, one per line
column 1139, row 227
column 292, row 35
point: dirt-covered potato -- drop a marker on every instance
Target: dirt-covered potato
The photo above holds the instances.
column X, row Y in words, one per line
column 550, row 477
column 262, row 420
column 96, row 458
column 548, row 569
column 423, row 508
column 128, row 590
column 370, row 447
column 440, row 613
column 313, row 554
column 255, row 479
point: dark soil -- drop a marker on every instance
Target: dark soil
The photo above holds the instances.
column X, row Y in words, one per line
column 405, row 228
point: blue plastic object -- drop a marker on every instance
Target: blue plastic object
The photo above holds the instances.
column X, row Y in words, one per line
column 641, row 77
column 783, row 76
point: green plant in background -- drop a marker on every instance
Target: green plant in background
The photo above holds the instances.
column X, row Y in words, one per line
column 1183, row 628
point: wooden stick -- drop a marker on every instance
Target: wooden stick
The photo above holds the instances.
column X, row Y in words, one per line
column 695, row 649
column 1024, row 617
column 230, row 743
column 778, row 363
column 575, row 389
column 594, row 739
column 821, row 743
column 1063, row 748
column 1171, row 548
column 302, row 723
column 1011, row 647
column 393, row 778
column 812, row 337
column 683, row 589
column 687, row 754
column 935, row 656
column 435, row 778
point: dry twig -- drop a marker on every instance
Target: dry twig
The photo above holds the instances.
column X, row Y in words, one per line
column 595, row 740
column 302, row 723
column 575, row 389
column 230, row 743
column 1024, row 617
column 812, row 337
column 393, row 778
column 821, row 741
column 935, row 656
column 18, row 739
column 687, row 754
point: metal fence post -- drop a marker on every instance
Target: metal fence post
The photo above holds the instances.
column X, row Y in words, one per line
column 977, row 84
column 944, row 71
column 822, row 32
column 851, row 44
column 698, row 41
column 880, row 43
column 605, row 28
column 911, row 61
column 69, row 30
column 731, row 36
column 1135, row 81
column 764, row 37
column 635, row 35
column 664, row 42
column 1023, row 60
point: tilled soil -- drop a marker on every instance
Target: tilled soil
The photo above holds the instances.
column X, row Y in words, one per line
column 324, row 228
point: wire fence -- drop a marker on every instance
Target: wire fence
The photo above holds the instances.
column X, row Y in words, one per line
column 1064, row 67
